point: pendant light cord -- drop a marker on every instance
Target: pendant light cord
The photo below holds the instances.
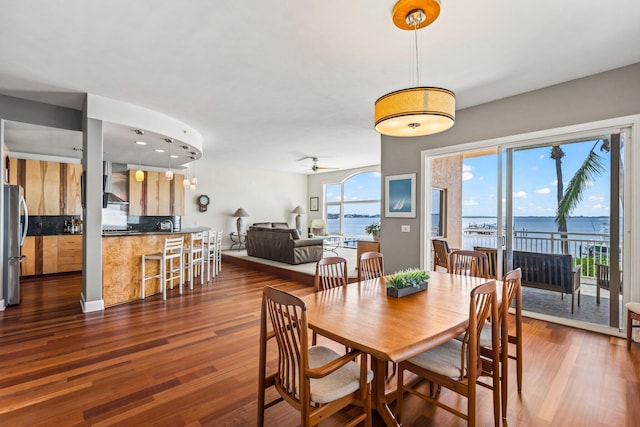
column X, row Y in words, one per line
column 415, row 42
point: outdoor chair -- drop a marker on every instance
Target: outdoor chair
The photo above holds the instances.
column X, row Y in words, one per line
column 469, row 263
column 456, row 365
column 633, row 313
column 315, row 380
column 603, row 279
column 441, row 253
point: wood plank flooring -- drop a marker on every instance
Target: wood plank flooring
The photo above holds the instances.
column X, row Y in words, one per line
column 192, row 360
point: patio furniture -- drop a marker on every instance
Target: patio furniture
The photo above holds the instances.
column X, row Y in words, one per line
column 455, row 364
column 330, row 242
column 633, row 313
column 441, row 253
column 603, row 278
column 469, row 263
column 315, row 380
column 552, row 272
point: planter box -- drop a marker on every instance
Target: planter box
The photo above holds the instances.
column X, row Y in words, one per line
column 399, row 293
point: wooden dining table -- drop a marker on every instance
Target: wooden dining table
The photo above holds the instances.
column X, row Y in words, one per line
column 361, row 315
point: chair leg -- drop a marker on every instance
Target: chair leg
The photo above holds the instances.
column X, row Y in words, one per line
column 597, row 294
column 400, row 393
column 143, row 280
column 504, row 380
column 163, row 278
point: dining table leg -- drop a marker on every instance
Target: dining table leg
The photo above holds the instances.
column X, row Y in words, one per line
column 378, row 392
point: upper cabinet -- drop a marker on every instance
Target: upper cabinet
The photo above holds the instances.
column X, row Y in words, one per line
column 50, row 188
column 155, row 196
column 42, row 187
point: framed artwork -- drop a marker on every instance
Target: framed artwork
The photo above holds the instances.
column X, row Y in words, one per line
column 400, row 196
column 313, row 203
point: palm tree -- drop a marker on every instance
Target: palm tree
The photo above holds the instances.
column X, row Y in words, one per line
column 568, row 200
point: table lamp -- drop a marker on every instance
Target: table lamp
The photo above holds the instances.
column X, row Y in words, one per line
column 299, row 211
column 240, row 213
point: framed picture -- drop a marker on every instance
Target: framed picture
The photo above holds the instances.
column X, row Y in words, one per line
column 400, row 196
column 313, row 203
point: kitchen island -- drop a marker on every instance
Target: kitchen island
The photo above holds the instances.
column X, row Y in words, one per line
column 122, row 259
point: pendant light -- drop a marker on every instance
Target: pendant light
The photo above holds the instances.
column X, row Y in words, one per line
column 420, row 110
column 194, row 180
column 168, row 175
column 185, row 181
column 139, row 175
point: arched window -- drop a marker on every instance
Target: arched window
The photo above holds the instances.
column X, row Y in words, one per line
column 353, row 204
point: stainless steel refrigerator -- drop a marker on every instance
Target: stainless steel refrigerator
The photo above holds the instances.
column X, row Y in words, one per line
column 14, row 223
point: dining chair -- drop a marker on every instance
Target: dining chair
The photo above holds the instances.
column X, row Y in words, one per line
column 633, row 313
column 331, row 272
column 456, row 365
column 315, row 380
column 172, row 251
column 441, row 253
column 370, row 266
column 492, row 258
column 511, row 291
column 603, row 279
column 469, row 263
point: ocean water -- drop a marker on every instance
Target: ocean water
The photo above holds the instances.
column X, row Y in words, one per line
column 352, row 226
column 579, row 224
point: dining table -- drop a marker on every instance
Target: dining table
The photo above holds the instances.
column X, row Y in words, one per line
column 361, row 316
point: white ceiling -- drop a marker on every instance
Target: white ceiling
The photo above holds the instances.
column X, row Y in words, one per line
column 268, row 83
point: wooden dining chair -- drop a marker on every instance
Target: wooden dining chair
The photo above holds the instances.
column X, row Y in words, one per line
column 441, row 253
column 315, row 380
column 492, row 257
column 511, row 291
column 331, row 272
column 370, row 266
column 633, row 313
column 456, row 365
column 469, row 263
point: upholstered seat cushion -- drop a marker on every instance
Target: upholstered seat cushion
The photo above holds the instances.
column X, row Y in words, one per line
column 444, row 359
column 340, row 383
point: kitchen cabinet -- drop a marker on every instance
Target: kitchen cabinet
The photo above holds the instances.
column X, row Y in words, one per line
column 42, row 187
column 51, row 254
column 155, row 196
column 71, row 189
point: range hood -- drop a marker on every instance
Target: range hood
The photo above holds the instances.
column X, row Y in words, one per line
column 108, row 197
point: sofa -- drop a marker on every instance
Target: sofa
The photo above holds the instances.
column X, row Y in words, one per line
column 277, row 242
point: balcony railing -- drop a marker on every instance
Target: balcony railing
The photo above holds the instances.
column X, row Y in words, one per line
column 586, row 248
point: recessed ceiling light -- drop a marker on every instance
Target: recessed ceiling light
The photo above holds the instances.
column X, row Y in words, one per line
column 141, row 143
column 173, row 156
column 159, row 150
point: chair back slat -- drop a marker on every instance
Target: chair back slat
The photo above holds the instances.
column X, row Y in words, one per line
column 331, row 272
column 370, row 266
column 483, row 305
column 173, row 245
column 469, row 263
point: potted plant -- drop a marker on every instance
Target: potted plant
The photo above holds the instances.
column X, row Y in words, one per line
column 407, row 282
column 374, row 230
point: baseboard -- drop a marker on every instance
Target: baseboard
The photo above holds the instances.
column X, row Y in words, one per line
column 91, row 306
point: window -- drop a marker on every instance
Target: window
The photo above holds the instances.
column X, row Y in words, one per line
column 438, row 198
column 353, row 204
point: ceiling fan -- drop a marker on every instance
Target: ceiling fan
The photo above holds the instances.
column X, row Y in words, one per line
column 315, row 166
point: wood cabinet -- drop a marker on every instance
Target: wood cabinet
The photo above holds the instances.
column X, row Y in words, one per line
column 42, row 187
column 71, row 188
column 51, row 254
column 155, row 196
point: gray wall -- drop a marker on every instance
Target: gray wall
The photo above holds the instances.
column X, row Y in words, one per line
column 606, row 95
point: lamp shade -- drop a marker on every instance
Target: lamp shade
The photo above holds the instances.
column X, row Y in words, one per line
column 240, row 213
column 139, row 175
column 415, row 111
column 298, row 210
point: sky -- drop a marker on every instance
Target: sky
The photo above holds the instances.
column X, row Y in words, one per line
column 534, row 182
column 362, row 186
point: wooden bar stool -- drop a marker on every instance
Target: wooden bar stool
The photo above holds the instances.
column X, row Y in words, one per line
column 195, row 257
column 171, row 252
column 633, row 313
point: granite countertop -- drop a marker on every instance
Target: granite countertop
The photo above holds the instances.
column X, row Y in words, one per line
column 183, row 230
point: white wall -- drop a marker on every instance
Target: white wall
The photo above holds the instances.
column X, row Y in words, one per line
column 265, row 195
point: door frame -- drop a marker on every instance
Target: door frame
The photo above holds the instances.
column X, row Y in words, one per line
column 631, row 219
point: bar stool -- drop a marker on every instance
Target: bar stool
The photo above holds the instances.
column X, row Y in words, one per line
column 219, row 252
column 172, row 250
column 195, row 257
column 210, row 239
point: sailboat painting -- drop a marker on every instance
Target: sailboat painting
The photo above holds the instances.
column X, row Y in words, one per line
column 400, row 196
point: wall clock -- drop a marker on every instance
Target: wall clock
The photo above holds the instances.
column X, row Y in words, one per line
column 203, row 202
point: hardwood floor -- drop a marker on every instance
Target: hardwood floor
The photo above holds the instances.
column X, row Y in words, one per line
column 192, row 360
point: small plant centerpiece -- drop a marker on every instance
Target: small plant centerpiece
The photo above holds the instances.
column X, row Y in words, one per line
column 407, row 282
column 374, row 230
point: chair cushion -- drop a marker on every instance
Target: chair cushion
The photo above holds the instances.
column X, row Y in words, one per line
column 295, row 234
column 633, row 306
column 338, row 384
column 444, row 359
